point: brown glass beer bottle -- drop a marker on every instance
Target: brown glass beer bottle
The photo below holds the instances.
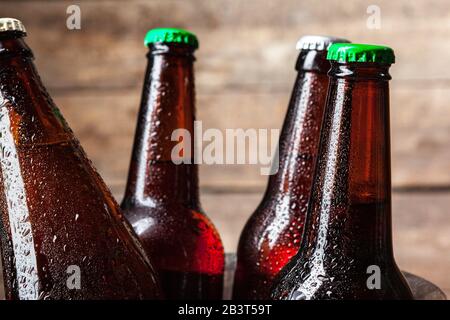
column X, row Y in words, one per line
column 62, row 233
column 272, row 234
column 346, row 252
column 161, row 199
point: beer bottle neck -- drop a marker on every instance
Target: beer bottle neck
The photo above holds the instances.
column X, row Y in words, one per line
column 12, row 45
column 299, row 138
column 312, row 60
column 351, row 197
column 360, row 92
column 167, row 105
column 36, row 118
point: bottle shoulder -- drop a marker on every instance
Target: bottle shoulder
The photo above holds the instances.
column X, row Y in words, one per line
column 172, row 219
column 178, row 239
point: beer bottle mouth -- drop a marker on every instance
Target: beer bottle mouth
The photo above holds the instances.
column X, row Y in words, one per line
column 11, row 25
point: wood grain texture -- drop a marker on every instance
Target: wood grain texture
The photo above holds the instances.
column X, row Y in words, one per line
column 244, row 75
column 243, row 43
column 244, row 71
column 105, row 124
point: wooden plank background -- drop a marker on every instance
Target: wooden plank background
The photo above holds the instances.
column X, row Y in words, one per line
column 244, row 71
column 244, row 75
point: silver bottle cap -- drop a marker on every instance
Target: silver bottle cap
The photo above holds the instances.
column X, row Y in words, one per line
column 319, row 43
column 11, row 24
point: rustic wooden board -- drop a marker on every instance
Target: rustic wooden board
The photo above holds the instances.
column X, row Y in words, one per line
column 105, row 124
column 244, row 71
column 243, row 43
column 244, row 76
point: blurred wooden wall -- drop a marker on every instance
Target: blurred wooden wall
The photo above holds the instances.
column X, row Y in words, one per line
column 244, row 75
column 245, row 71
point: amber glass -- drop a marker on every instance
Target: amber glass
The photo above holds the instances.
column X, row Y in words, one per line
column 348, row 227
column 161, row 200
column 273, row 233
column 58, row 219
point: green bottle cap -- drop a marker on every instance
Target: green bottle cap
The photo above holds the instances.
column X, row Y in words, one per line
column 354, row 52
column 171, row 35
